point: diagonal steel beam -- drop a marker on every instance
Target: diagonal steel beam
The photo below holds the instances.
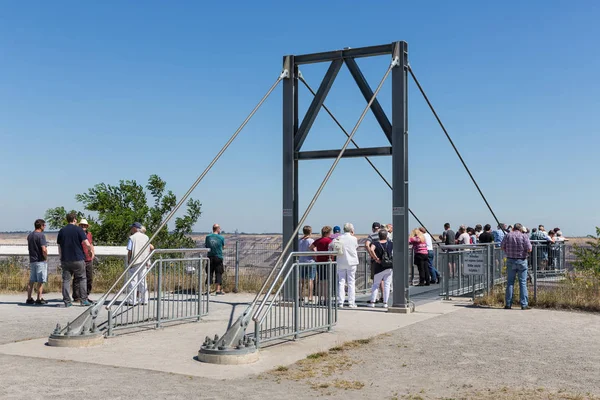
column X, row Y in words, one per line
column 367, row 92
column 317, row 102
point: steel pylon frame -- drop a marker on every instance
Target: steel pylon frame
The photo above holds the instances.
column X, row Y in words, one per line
column 295, row 133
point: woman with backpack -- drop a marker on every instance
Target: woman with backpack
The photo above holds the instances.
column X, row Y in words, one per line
column 383, row 268
column 419, row 244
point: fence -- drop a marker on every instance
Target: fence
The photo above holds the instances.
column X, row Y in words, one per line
column 171, row 289
column 247, row 264
column 291, row 306
column 468, row 269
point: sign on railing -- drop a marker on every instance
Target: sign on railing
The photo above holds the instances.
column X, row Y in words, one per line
column 474, row 263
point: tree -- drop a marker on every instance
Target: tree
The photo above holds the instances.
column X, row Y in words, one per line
column 588, row 257
column 57, row 217
column 117, row 207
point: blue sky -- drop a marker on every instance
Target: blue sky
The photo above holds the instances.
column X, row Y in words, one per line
column 101, row 91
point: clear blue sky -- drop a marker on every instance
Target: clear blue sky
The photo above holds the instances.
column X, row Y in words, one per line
column 101, row 91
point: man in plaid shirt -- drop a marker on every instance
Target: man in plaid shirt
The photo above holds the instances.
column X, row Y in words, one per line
column 516, row 246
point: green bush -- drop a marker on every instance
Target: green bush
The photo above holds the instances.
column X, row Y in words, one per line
column 588, row 257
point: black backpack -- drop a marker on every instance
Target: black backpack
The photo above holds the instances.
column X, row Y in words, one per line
column 386, row 257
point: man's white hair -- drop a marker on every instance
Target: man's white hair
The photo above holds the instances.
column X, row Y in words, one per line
column 348, row 227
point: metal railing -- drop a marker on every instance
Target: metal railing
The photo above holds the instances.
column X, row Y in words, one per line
column 468, row 269
column 547, row 264
column 170, row 289
column 300, row 299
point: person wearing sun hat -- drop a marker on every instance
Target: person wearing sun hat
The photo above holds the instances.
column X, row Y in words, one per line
column 89, row 263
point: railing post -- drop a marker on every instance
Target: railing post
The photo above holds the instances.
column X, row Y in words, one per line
column 199, row 291
column 534, row 261
column 110, row 323
column 297, row 299
column 237, row 267
column 159, row 294
column 446, row 275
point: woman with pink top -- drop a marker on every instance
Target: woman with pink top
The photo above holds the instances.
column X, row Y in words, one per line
column 417, row 240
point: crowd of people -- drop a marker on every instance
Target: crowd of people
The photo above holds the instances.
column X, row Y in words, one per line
column 76, row 251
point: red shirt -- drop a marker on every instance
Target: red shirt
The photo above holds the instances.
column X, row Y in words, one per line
column 322, row 244
column 84, row 247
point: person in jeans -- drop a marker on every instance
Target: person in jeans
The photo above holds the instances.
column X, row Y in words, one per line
column 383, row 271
column 38, row 261
column 346, row 266
column 417, row 240
column 516, row 246
column 433, row 272
column 89, row 264
column 215, row 242
column 308, row 272
column 72, row 258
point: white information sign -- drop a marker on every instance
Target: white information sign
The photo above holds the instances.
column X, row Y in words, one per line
column 474, row 263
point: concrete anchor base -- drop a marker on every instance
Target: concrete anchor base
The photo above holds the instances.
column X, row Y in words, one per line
column 76, row 341
column 399, row 310
column 228, row 357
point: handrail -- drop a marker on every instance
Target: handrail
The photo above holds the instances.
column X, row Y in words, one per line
column 147, row 271
column 255, row 317
column 148, row 257
column 292, row 254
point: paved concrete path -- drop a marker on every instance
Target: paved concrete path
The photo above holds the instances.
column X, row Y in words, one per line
column 444, row 350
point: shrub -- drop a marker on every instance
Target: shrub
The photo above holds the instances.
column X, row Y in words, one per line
column 588, row 257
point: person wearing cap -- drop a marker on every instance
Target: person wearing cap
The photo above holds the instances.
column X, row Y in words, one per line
column 337, row 232
column 89, row 273
column 138, row 252
column 371, row 240
column 347, row 262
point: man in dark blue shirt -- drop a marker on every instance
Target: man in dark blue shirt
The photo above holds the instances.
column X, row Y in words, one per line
column 70, row 240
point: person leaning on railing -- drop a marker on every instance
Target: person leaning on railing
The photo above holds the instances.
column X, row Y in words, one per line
column 516, row 246
column 417, row 240
column 137, row 242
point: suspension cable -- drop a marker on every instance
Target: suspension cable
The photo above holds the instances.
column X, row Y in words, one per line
column 452, row 143
column 284, row 74
column 356, row 145
column 294, row 234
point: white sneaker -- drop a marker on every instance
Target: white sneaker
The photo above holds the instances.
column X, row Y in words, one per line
column 372, row 305
column 385, row 305
column 352, row 306
column 341, row 305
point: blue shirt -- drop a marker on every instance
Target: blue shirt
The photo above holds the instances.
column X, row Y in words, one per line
column 498, row 235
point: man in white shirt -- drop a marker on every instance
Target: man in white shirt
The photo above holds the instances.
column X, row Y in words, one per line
column 137, row 242
column 435, row 275
column 347, row 262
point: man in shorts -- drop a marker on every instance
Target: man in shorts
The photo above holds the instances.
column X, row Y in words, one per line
column 215, row 242
column 38, row 261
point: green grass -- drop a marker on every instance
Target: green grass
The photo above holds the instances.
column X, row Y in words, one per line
column 573, row 292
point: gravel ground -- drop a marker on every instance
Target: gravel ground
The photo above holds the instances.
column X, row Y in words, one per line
column 473, row 353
